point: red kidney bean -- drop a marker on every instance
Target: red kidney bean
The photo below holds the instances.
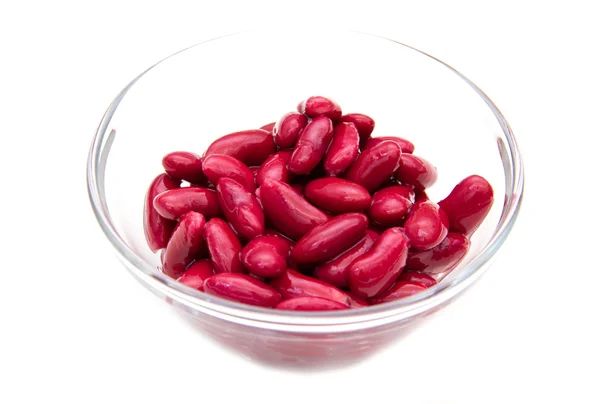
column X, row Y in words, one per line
column 406, row 146
column 217, row 166
column 266, row 256
column 174, row 203
column 468, row 204
column 242, row 288
column 251, row 147
column 293, row 284
column 271, row 232
column 406, row 191
column 184, row 166
column 416, row 277
column 376, row 270
column 290, row 213
column 223, row 245
column 390, row 205
column 364, row 124
column 441, row 259
column 426, row 225
column 320, row 106
column 157, row 229
column 241, row 208
column 195, row 275
column 331, row 238
column 268, row 127
column 337, row 195
column 398, row 291
column 311, row 146
column 335, row 272
column 416, row 171
column 311, row 304
column 357, row 302
column 288, row 128
column 275, row 167
column 343, row 149
column 184, row 244
column 375, row 165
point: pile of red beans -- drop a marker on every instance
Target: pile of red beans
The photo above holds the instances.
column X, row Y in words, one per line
column 309, row 213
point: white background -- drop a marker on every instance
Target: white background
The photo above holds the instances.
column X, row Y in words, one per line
column 76, row 328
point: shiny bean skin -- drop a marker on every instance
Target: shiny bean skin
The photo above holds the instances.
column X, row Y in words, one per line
column 184, row 244
column 266, row 256
column 289, row 212
column 468, row 204
column 311, row 145
column 242, row 288
column 406, row 146
column 195, row 275
column 184, row 166
column 223, row 246
column 310, row 304
column 293, row 284
column 357, row 302
column 416, row 277
column 364, row 124
column 335, row 272
column 343, row 149
column 375, row 166
column 416, row 171
column 275, row 167
column 390, row 205
column 251, row 147
column 426, row 225
column 157, row 229
column 331, row 238
column 288, row 128
column 317, row 106
column 441, row 259
column 268, row 127
column 174, row 203
column 218, row 166
column 398, row 291
column 241, row 208
column 337, row 195
column 375, row 271
column 271, row 232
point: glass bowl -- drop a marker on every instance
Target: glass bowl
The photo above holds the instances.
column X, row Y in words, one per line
column 249, row 79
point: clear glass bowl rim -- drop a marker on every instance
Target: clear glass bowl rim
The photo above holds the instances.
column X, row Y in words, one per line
column 335, row 321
